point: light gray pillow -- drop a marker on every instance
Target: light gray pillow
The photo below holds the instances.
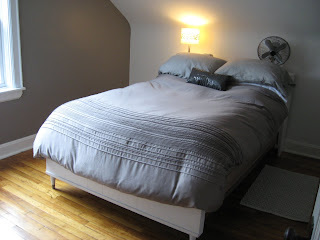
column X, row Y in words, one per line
column 182, row 64
column 259, row 72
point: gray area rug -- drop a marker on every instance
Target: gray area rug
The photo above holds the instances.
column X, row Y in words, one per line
column 283, row 193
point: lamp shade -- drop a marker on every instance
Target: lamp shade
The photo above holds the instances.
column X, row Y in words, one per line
column 190, row 35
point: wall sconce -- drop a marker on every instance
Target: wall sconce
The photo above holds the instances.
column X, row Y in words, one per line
column 190, row 36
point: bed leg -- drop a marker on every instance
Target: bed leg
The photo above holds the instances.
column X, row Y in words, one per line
column 192, row 237
column 53, row 182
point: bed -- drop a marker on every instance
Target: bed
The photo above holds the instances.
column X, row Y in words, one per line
column 171, row 148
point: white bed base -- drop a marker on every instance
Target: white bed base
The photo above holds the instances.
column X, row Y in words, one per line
column 187, row 220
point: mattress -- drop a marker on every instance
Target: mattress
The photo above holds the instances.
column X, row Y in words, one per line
column 165, row 140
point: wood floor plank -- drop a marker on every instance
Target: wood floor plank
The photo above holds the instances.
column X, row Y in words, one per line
column 115, row 233
column 89, row 203
column 36, row 163
column 8, row 230
column 3, row 182
column 14, row 177
column 40, row 198
column 28, row 208
column 101, row 214
column 23, row 234
column 61, row 223
column 29, row 225
column 12, row 208
column 99, row 222
column 101, row 218
column 75, row 221
column 21, row 166
column 52, row 226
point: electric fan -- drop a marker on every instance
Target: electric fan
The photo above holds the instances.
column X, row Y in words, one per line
column 274, row 49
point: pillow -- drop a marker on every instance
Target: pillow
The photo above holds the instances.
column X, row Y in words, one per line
column 259, row 72
column 207, row 79
column 181, row 64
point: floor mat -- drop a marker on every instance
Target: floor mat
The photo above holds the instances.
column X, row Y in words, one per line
column 283, row 193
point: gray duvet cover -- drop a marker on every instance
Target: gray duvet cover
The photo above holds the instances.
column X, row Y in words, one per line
column 165, row 139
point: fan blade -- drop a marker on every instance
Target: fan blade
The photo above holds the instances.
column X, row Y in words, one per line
column 278, row 58
column 281, row 47
column 266, row 54
column 269, row 45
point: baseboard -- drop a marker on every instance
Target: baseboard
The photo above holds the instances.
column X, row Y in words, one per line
column 17, row 146
column 304, row 149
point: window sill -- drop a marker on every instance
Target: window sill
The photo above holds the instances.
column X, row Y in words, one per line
column 8, row 94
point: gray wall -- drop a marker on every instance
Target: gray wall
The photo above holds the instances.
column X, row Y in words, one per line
column 70, row 49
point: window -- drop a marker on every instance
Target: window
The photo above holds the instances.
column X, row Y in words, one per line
column 10, row 56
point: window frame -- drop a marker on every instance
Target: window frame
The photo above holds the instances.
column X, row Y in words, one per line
column 13, row 85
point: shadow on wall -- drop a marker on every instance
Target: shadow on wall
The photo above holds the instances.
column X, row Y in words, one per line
column 304, row 115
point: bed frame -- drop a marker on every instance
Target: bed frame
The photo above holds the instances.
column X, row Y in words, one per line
column 187, row 220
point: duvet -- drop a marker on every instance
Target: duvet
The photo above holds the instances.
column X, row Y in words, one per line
column 165, row 139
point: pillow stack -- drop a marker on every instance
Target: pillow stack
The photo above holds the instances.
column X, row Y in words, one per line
column 257, row 72
column 208, row 71
column 181, row 64
column 197, row 68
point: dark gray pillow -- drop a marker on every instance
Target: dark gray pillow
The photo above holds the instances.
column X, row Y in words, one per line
column 254, row 71
column 207, row 79
column 181, row 64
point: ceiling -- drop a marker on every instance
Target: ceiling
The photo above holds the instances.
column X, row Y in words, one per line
column 238, row 15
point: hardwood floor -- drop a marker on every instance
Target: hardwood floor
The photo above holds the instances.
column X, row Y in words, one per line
column 30, row 209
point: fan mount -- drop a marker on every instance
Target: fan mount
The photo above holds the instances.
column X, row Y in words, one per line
column 274, row 49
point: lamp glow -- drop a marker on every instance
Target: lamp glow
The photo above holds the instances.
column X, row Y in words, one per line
column 193, row 20
column 190, row 36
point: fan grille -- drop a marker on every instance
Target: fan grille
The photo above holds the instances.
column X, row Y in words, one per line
column 274, row 49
